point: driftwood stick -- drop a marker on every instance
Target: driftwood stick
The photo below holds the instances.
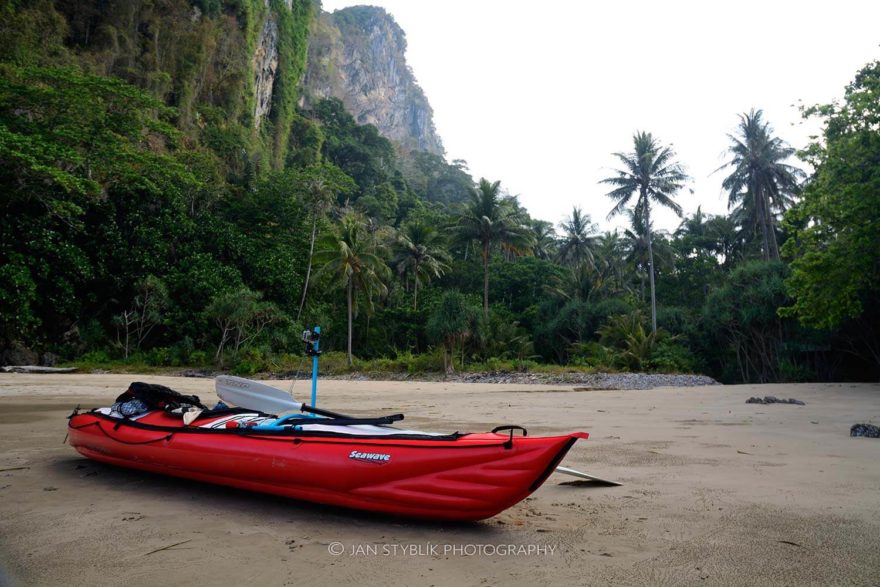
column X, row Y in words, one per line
column 167, row 547
column 36, row 369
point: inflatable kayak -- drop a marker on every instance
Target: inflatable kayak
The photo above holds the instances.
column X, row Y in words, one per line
column 362, row 463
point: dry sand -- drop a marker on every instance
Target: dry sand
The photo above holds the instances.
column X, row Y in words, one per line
column 716, row 492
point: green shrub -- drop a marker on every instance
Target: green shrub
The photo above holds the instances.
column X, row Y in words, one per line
column 158, row 357
column 179, row 353
column 430, row 362
column 593, row 355
column 790, row 371
column 245, row 368
column 95, row 357
column 198, row 358
column 526, row 365
column 250, row 361
column 669, row 357
column 333, row 363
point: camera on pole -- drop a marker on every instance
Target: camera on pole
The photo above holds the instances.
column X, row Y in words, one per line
column 311, row 338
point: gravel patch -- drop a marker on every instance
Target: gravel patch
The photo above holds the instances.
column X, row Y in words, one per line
column 594, row 380
column 588, row 381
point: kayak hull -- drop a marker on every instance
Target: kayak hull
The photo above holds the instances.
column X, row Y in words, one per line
column 460, row 477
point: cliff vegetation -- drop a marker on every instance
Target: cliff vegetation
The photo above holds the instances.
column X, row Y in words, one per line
column 174, row 196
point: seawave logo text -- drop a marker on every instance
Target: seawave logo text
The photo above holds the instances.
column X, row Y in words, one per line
column 369, row 457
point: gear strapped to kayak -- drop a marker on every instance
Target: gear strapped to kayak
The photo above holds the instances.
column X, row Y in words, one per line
column 258, row 438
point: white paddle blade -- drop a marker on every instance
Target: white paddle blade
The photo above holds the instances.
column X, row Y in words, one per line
column 253, row 395
column 576, row 473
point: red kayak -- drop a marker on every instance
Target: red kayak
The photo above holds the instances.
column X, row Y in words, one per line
column 353, row 463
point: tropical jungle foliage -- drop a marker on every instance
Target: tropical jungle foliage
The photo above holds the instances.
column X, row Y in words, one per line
column 146, row 218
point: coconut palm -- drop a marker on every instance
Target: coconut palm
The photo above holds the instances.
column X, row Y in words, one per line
column 639, row 253
column 726, row 239
column 577, row 239
column 651, row 174
column 419, row 253
column 489, row 220
column 351, row 256
column 608, row 262
column 544, row 239
column 319, row 196
column 760, row 184
column 644, row 254
column 576, row 283
column 693, row 232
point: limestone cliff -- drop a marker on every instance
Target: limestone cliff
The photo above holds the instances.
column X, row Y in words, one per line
column 230, row 68
column 265, row 67
column 357, row 54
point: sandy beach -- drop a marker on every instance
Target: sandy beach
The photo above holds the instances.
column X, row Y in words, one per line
column 716, row 492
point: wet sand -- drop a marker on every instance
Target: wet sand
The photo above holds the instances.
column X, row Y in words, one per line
column 716, row 492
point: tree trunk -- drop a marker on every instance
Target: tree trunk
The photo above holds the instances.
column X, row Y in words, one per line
column 771, row 230
column 486, row 281
column 651, row 269
column 224, row 336
column 448, row 357
column 761, row 211
column 302, row 302
column 349, row 299
column 416, row 288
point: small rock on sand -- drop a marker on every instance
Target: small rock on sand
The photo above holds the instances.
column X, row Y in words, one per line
column 866, row 430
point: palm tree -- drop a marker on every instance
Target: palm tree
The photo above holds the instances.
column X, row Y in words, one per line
column 644, row 254
column 319, row 198
column 608, row 261
column 490, row 219
column 651, row 174
column 419, row 253
column 705, row 233
column 577, row 240
column 726, row 239
column 351, row 256
column 760, row 185
column 544, row 239
column 577, row 283
column 693, row 233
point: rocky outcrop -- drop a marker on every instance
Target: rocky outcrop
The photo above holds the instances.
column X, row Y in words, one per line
column 357, row 54
column 265, row 67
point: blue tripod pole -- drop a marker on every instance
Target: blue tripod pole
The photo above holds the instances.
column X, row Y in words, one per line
column 315, row 351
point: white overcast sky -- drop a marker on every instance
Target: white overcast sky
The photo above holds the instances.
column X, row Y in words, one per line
column 539, row 94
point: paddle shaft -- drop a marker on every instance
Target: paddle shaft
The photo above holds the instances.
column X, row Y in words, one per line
column 320, row 412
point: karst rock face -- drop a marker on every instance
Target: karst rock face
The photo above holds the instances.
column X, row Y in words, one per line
column 265, row 69
column 357, row 55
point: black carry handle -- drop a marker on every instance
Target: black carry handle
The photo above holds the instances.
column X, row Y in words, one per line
column 509, row 443
column 511, row 428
